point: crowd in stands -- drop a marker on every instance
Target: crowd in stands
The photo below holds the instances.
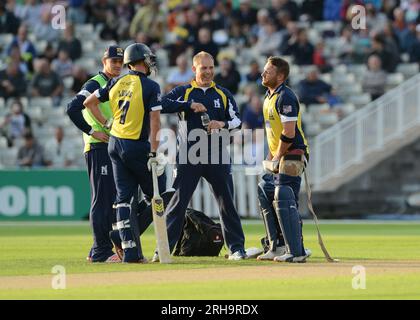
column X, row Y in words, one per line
column 225, row 28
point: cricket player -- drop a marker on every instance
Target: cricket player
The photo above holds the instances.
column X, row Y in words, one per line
column 288, row 151
column 190, row 101
column 98, row 163
column 135, row 102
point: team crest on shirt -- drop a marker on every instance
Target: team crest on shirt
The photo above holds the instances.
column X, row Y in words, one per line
column 287, row 109
column 271, row 114
column 159, row 97
column 217, row 103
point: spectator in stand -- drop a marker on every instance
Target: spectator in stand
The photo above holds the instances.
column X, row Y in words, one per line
column 15, row 124
column 44, row 29
column 31, row 154
column 301, row 49
column 282, row 19
column 408, row 36
column 249, row 91
column 125, row 13
column 362, row 46
column 414, row 49
column 237, row 38
column 313, row 90
column 399, row 23
column 374, row 80
column 109, row 28
column 182, row 76
column 15, row 56
column 12, row 81
column 58, row 154
column 252, row 117
column 344, row 47
column 63, row 65
column 386, row 52
column 80, row 76
column 49, row 53
column 76, row 11
column 313, row 9
column 375, row 20
column 47, row 83
column 30, row 12
column 206, row 44
column 179, row 46
column 392, row 40
column 149, row 19
column 228, row 77
column 332, row 10
column 291, row 32
column 9, row 23
column 258, row 29
column 270, row 40
column 97, row 10
column 319, row 58
column 192, row 24
column 70, row 43
column 254, row 75
column 284, row 5
column 246, row 15
column 26, row 48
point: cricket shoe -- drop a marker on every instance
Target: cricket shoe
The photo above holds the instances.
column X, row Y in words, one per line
column 287, row 257
column 237, row 255
column 253, row 253
column 113, row 259
column 155, row 257
column 270, row 255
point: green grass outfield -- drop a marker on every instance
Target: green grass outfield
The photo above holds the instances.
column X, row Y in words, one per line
column 390, row 253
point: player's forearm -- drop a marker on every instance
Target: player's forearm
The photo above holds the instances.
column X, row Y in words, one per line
column 286, row 140
column 281, row 150
column 154, row 130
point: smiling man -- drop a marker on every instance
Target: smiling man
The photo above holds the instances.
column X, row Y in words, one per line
column 193, row 103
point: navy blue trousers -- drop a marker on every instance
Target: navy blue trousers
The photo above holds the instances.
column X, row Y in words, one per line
column 102, row 190
column 129, row 163
column 220, row 179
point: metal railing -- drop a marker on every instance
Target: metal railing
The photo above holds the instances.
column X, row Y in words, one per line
column 368, row 130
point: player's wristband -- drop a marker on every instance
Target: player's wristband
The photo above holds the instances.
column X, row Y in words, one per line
column 91, row 131
column 286, row 139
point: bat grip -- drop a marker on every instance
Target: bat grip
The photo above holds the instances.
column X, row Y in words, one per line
column 155, row 181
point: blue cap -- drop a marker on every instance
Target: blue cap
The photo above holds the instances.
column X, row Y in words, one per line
column 114, row 52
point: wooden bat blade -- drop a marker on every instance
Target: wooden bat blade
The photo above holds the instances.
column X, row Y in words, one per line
column 159, row 220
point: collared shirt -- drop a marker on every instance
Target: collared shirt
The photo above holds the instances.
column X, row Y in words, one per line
column 132, row 97
column 280, row 107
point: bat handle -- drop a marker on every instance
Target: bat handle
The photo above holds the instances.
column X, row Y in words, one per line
column 155, row 181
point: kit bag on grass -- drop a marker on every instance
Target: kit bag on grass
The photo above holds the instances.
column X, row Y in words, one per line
column 201, row 236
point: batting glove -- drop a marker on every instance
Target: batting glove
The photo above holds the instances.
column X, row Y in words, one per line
column 271, row 166
column 159, row 160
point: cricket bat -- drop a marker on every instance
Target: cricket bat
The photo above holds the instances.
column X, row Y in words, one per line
column 159, row 220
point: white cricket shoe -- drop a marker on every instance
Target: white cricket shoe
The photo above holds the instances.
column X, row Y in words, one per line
column 270, row 255
column 287, row 257
column 237, row 255
column 155, row 257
